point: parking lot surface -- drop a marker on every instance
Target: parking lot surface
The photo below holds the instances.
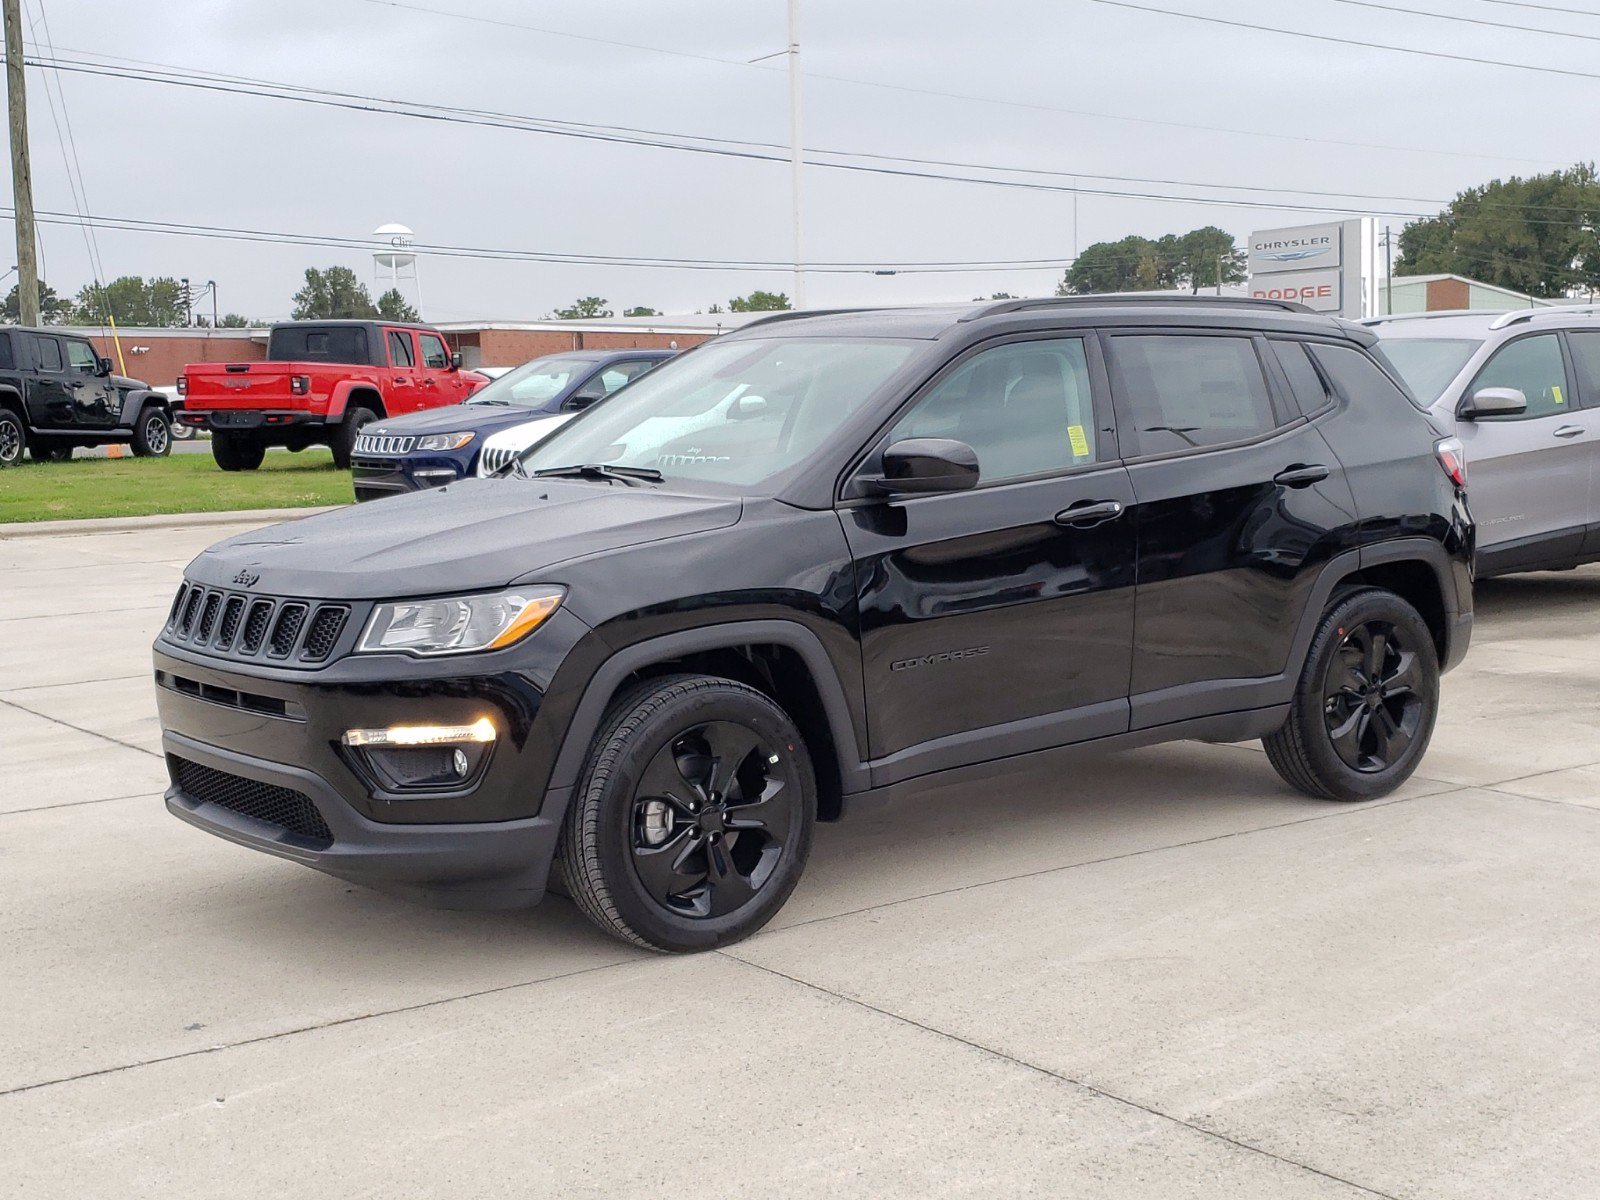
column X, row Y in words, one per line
column 1159, row 974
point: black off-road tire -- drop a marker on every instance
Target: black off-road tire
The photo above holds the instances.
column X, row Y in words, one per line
column 13, row 438
column 344, row 438
column 594, row 857
column 235, row 453
column 152, row 434
column 1302, row 751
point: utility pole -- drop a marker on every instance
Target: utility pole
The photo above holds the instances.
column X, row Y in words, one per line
column 21, row 172
column 212, row 284
column 796, row 155
column 1388, row 272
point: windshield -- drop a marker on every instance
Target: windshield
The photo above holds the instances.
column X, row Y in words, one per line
column 732, row 412
column 533, row 383
column 1428, row 364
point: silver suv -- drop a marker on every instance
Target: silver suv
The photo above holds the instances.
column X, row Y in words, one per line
column 1522, row 391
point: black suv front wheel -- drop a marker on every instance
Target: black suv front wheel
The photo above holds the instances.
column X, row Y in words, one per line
column 1366, row 703
column 694, row 818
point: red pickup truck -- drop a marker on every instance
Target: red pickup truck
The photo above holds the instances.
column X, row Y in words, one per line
column 321, row 382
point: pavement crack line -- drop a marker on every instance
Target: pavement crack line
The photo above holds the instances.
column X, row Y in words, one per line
column 39, row 687
column 1058, row 1077
column 105, row 737
column 38, row 808
column 334, row 1023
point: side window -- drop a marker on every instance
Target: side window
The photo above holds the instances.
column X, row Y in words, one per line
column 400, row 349
column 433, row 352
column 1184, row 391
column 620, row 373
column 1356, row 375
column 8, row 361
column 1586, row 357
column 47, row 353
column 81, row 357
column 1305, row 381
column 1024, row 407
column 1534, row 366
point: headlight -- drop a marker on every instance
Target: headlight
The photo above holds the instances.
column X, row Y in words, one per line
column 444, row 441
column 459, row 624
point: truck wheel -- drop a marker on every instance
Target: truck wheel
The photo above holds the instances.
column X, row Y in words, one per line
column 152, row 434
column 694, row 817
column 12, row 438
column 41, row 451
column 1366, row 702
column 344, row 438
column 234, row 453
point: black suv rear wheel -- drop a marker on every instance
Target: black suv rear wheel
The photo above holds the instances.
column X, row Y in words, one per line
column 694, row 818
column 233, row 452
column 12, row 438
column 1366, row 703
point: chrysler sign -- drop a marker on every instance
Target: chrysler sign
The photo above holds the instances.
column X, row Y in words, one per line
column 1298, row 249
column 1323, row 267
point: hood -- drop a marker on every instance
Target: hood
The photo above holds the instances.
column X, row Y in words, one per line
column 122, row 381
column 452, row 419
column 523, row 434
column 470, row 536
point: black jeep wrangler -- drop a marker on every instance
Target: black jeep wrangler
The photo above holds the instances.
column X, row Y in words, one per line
column 828, row 556
column 57, row 394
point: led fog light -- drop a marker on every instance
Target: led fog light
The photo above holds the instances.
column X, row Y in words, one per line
column 480, row 731
column 422, row 758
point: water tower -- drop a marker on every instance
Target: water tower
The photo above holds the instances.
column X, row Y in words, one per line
column 394, row 260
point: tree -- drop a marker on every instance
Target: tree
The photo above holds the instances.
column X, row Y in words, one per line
column 132, row 300
column 53, row 309
column 1140, row 264
column 234, row 321
column 1207, row 257
column 997, row 296
column 640, row 312
column 392, row 306
column 1539, row 235
column 333, row 294
column 759, row 302
column 586, row 307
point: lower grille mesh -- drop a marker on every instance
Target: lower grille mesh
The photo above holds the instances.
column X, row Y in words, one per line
column 267, row 802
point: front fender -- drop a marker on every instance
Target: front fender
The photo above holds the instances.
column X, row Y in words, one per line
column 134, row 400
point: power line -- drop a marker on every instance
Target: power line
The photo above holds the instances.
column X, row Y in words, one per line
column 1340, row 41
column 1420, row 12
column 968, row 97
column 1555, row 8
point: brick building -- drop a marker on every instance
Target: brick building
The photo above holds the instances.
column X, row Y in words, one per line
column 158, row 356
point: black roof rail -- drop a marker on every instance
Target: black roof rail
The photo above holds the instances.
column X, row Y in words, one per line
column 1122, row 299
column 795, row 314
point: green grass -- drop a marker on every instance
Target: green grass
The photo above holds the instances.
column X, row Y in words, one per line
column 181, row 483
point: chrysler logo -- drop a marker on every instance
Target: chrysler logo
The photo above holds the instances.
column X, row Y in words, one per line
column 1295, row 255
column 247, row 578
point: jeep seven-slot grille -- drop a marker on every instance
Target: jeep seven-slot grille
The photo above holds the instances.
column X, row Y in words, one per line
column 494, row 457
column 280, row 806
column 239, row 626
column 372, row 443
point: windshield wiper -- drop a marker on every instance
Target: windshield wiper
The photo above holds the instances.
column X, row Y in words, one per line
column 492, row 403
column 605, row 471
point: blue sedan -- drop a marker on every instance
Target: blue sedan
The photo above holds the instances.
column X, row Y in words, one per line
column 438, row 446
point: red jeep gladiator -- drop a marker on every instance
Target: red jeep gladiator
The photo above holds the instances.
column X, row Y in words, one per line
column 321, row 382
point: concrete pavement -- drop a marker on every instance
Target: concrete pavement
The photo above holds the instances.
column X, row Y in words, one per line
column 1163, row 975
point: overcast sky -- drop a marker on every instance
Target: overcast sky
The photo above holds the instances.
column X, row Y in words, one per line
column 165, row 153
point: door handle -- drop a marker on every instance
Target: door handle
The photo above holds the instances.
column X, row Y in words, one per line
column 1086, row 514
column 1300, row 476
column 400, row 381
column 1567, row 431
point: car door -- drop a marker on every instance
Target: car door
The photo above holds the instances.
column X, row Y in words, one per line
column 52, row 400
column 439, row 379
column 404, row 379
column 1528, row 474
column 93, row 396
column 999, row 620
column 1584, row 349
column 1238, row 500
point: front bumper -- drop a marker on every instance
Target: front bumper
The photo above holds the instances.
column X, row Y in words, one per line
column 502, row 864
column 377, row 477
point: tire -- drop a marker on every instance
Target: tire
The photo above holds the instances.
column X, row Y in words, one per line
column 182, row 432
column 344, row 438
column 13, row 438
column 234, row 453
column 666, row 733
column 1366, row 703
column 41, row 451
column 152, row 434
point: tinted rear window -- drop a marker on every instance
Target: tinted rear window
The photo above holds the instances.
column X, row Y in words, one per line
column 7, row 361
column 320, row 343
column 1357, row 376
column 1184, row 392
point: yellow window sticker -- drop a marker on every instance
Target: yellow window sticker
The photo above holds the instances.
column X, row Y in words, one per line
column 1557, row 392
column 1080, row 441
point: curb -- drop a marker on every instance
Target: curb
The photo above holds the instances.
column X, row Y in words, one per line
column 90, row 525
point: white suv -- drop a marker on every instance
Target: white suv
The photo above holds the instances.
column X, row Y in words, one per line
column 1522, row 391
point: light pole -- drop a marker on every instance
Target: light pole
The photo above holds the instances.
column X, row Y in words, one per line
column 212, row 284
column 796, row 154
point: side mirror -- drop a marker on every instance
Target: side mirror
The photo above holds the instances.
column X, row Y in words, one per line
column 455, row 361
column 747, row 408
column 585, row 396
column 921, row 466
column 1492, row 402
column 103, row 366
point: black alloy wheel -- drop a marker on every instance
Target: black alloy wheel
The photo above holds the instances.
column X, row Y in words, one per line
column 12, row 439
column 710, row 817
column 1373, row 709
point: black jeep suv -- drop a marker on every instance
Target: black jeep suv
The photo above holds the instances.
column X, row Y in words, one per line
column 57, row 394
column 831, row 554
